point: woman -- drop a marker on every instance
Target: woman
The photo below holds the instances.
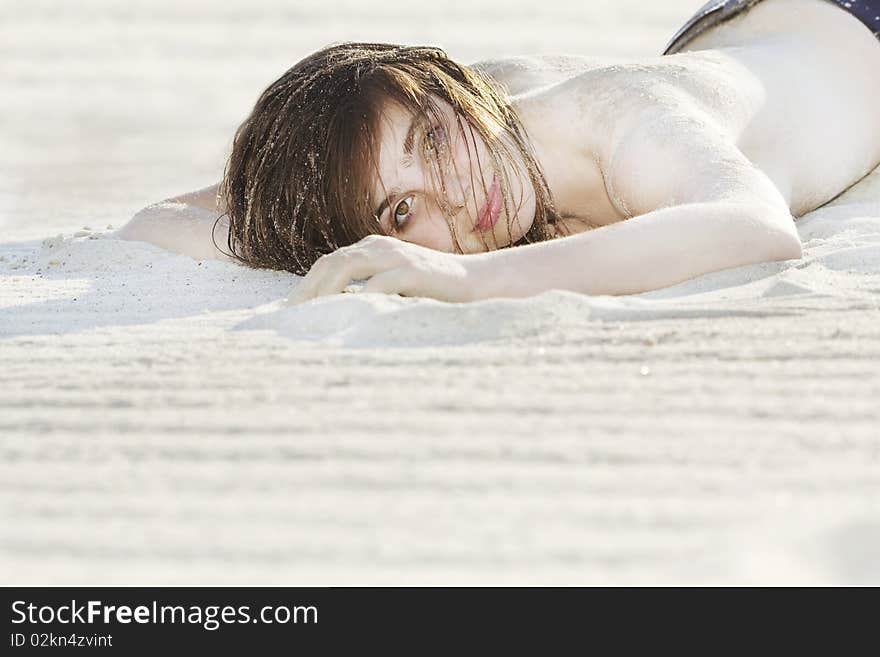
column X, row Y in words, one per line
column 394, row 164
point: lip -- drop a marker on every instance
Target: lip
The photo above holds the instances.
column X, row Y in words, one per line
column 491, row 209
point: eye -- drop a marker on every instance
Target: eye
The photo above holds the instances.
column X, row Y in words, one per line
column 402, row 212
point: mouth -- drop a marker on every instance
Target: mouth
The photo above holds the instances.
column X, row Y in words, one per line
column 491, row 209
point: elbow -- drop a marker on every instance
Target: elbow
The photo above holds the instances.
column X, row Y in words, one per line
column 787, row 246
column 153, row 224
column 138, row 227
column 778, row 234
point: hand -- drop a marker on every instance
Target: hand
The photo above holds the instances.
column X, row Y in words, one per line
column 393, row 267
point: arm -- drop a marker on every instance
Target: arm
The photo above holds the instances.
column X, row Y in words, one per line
column 184, row 224
column 698, row 205
column 648, row 252
column 203, row 198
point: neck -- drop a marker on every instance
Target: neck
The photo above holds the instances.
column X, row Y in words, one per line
column 559, row 131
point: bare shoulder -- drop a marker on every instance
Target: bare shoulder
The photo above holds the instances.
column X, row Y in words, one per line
column 677, row 156
column 521, row 74
column 662, row 138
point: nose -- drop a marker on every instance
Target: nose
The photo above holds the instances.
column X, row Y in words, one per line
column 451, row 194
column 454, row 202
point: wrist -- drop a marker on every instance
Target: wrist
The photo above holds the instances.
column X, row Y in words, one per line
column 490, row 275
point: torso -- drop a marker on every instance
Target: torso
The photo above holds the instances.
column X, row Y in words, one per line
column 792, row 83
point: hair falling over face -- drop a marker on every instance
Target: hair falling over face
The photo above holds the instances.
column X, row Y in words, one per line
column 301, row 175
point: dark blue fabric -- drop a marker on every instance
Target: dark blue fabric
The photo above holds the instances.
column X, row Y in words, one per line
column 867, row 11
column 718, row 11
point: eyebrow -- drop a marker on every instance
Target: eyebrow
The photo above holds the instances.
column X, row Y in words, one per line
column 408, row 143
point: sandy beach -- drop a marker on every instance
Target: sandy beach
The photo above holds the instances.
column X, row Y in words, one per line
column 171, row 421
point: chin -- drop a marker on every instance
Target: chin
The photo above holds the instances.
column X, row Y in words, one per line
column 512, row 231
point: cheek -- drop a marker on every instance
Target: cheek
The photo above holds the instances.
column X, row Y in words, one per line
column 522, row 207
column 526, row 214
column 431, row 231
column 471, row 159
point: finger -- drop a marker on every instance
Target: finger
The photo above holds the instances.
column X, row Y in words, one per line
column 332, row 273
column 358, row 264
column 304, row 289
column 319, row 279
column 333, row 283
column 393, row 281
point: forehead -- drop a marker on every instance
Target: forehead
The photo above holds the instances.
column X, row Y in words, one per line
column 393, row 125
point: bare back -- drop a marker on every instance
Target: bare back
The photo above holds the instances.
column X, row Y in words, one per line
column 791, row 83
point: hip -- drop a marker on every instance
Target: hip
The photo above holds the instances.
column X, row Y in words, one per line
column 780, row 17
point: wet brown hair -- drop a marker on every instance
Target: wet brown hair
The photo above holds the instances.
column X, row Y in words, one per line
column 299, row 181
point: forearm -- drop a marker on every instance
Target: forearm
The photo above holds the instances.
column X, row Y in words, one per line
column 186, row 224
column 207, row 198
column 191, row 230
column 648, row 252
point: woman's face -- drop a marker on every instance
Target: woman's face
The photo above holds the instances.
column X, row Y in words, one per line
column 409, row 198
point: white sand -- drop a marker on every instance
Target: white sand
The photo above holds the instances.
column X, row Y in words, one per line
column 164, row 420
